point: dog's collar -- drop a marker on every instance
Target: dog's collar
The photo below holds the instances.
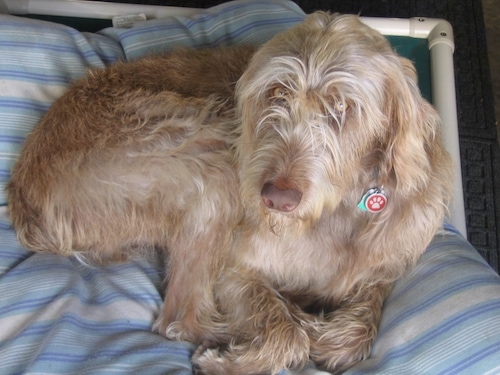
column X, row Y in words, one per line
column 374, row 200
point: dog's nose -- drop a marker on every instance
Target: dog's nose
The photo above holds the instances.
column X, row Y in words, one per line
column 285, row 200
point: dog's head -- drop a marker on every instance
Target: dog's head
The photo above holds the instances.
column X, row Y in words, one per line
column 328, row 111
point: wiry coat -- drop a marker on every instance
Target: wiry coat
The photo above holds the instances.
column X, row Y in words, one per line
column 135, row 157
column 271, row 262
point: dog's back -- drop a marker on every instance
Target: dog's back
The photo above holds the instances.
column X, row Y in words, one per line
column 58, row 182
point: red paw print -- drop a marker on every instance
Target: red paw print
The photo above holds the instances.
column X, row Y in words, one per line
column 376, row 202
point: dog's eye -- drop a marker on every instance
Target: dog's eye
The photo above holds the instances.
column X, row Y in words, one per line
column 338, row 111
column 341, row 107
column 279, row 92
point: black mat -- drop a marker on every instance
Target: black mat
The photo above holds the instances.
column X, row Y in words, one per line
column 478, row 146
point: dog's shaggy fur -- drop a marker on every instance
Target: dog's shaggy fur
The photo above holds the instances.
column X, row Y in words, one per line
column 270, row 261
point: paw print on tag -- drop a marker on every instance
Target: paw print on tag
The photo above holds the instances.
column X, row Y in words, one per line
column 376, row 202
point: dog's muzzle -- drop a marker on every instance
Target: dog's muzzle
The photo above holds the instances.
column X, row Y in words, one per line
column 284, row 200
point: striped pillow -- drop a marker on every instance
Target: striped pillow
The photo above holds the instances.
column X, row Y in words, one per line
column 38, row 61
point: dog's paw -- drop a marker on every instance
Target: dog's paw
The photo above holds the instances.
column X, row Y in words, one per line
column 252, row 358
column 207, row 360
column 286, row 349
column 287, row 346
column 336, row 348
column 176, row 331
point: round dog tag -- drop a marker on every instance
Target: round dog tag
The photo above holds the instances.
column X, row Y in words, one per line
column 374, row 200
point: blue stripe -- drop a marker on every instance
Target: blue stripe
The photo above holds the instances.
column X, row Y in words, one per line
column 12, row 139
column 24, row 104
column 257, row 24
column 65, row 264
column 35, row 26
column 78, row 322
column 16, row 255
column 469, row 283
column 4, row 225
column 5, row 173
column 66, row 357
column 203, row 18
column 449, row 227
column 26, row 271
column 27, row 304
column 424, row 275
column 31, row 304
column 215, row 41
column 35, row 77
column 34, row 46
column 87, row 55
column 436, row 247
column 438, row 331
column 473, row 359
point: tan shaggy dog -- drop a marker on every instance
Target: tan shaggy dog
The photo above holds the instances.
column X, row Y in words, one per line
column 286, row 213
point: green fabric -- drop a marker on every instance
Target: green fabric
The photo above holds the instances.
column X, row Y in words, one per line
column 417, row 50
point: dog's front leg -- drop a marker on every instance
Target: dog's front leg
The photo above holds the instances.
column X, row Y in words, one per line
column 189, row 312
column 268, row 333
column 344, row 336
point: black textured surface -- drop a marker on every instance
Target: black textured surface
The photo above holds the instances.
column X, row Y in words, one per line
column 478, row 145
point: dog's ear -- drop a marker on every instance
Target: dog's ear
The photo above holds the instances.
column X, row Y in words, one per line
column 413, row 127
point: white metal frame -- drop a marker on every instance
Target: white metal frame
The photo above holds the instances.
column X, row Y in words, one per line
column 90, row 9
column 438, row 33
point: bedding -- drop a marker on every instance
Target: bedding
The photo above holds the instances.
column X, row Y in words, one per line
column 60, row 316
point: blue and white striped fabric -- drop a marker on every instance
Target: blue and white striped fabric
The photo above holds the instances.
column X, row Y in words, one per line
column 238, row 22
column 58, row 316
column 442, row 318
column 61, row 317
column 37, row 62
